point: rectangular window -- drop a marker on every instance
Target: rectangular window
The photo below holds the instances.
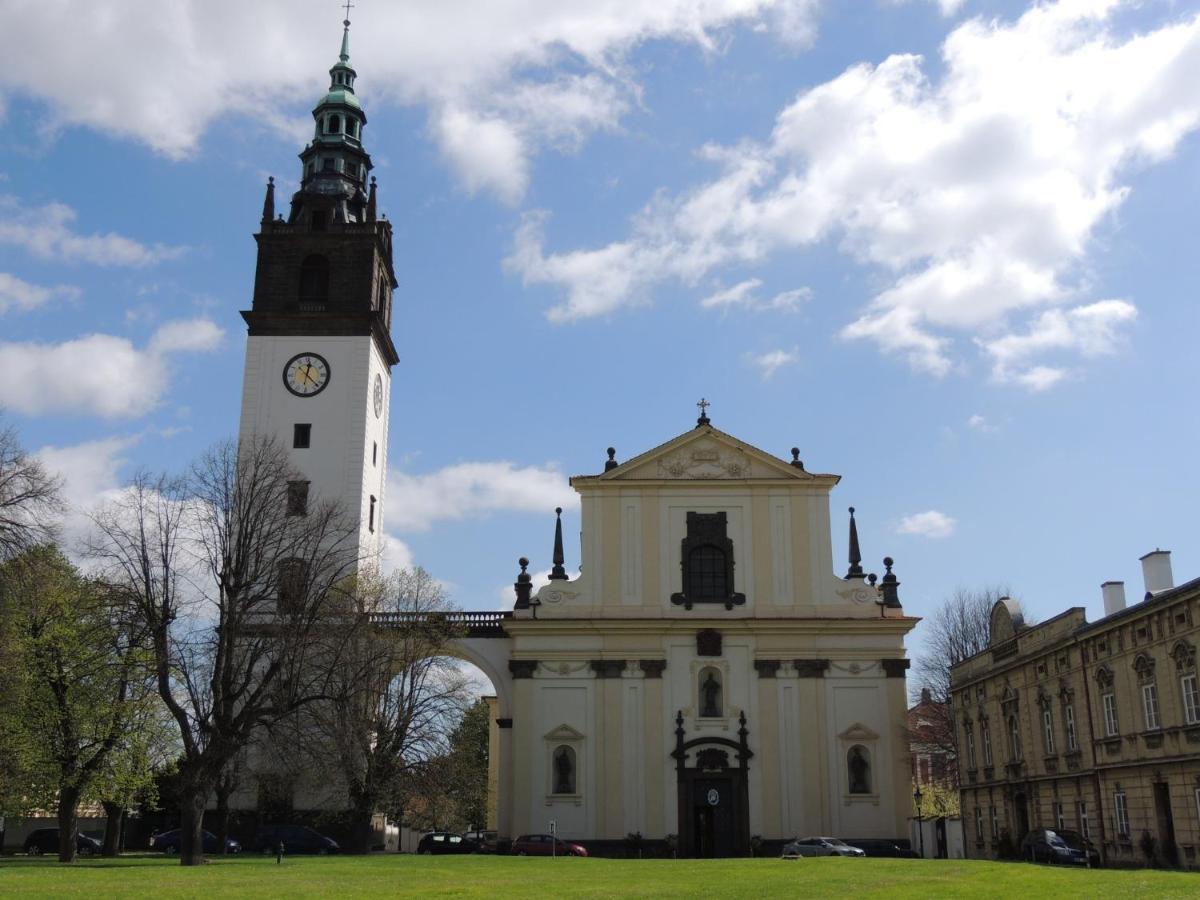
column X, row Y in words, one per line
column 1191, row 699
column 1110, row 714
column 1048, row 726
column 979, row 823
column 986, row 731
column 375, row 453
column 371, row 516
column 1072, row 741
column 301, row 436
column 1085, row 826
column 1198, row 804
column 1060, row 819
column 1122, row 813
column 1150, row 705
column 970, row 749
column 297, row 498
column 995, row 824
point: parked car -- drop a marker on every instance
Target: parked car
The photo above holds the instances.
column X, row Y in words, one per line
column 485, row 839
column 823, row 846
column 45, row 840
column 295, row 839
column 1077, row 841
column 1044, row 845
column 546, row 845
column 438, row 842
column 883, row 847
column 171, row 842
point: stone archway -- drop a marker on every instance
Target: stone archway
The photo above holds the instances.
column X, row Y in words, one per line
column 713, row 792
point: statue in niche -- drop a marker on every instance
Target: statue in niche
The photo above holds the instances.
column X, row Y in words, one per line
column 860, row 771
column 710, row 693
column 564, row 771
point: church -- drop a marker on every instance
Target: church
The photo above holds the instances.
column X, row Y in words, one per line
column 706, row 679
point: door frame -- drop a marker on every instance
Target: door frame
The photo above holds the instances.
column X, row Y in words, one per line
column 709, row 763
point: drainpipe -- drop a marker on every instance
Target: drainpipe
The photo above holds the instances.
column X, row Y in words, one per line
column 1087, row 693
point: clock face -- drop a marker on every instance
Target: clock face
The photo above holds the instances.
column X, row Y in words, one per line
column 378, row 398
column 306, row 374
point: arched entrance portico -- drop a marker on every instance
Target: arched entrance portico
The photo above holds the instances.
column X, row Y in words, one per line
column 714, row 797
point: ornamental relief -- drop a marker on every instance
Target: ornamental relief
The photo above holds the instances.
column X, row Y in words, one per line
column 858, row 594
column 706, row 461
column 563, row 669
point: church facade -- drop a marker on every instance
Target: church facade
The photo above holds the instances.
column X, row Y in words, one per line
column 706, row 675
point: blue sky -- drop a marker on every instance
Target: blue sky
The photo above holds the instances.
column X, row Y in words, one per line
column 945, row 248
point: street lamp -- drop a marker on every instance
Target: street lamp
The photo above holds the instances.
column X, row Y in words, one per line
column 920, row 827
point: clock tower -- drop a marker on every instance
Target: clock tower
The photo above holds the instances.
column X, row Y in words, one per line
column 319, row 353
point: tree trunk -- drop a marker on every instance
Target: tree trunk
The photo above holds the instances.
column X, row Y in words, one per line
column 114, row 818
column 68, row 822
column 222, row 825
column 363, row 811
column 191, row 849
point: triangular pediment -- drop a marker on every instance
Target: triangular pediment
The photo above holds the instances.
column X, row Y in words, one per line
column 707, row 454
column 858, row 732
column 564, row 732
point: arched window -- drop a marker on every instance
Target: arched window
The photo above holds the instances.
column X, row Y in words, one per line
column 314, row 281
column 711, row 691
column 858, row 769
column 563, row 776
column 333, row 125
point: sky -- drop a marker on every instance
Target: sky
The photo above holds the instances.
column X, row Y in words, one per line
column 947, row 249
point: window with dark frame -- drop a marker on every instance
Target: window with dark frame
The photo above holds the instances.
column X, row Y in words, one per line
column 375, row 453
column 301, row 435
column 371, row 516
column 297, row 498
column 706, row 561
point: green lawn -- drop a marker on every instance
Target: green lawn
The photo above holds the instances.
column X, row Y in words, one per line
column 491, row 876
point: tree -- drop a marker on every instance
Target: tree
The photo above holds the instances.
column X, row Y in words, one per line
column 959, row 628
column 236, row 584
column 30, row 503
column 469, row 762
column 394, row 701
column 86, row 677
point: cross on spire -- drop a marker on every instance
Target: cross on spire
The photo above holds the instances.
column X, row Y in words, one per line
column 348, row 6
column 703, row 406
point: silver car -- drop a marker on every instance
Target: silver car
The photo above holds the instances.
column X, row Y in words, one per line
column 820, row 846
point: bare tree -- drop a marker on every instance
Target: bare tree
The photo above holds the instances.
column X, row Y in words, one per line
column 236, row 582
column 397, row 697
column 30, row 504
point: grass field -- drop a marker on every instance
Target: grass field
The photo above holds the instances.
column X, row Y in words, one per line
column 504, row 876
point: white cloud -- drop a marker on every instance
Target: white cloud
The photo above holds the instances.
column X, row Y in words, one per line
column 930, row 524
column 395, row 554
column 21, row 295
column 975, row 194
column 457, row 491
column 98, row 374
column 91, row 474
column 772, row 361
column 500, row 80
column 46, row 232
column 946, row 7
column 980, row 423
column 743, row 295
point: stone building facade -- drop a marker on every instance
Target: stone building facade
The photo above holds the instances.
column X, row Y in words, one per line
column 1089, row 727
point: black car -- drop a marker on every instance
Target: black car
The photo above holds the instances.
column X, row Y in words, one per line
column 1045, row 845
column 446, row 842
column 45, row 840
column 295, row 839
column 170, row 843
column 1077, row 841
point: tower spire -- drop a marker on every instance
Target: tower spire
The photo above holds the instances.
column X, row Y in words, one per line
column 344, row 56
column 558, row 573
column 856, row 569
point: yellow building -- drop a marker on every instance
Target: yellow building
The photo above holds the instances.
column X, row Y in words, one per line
column 1088, row 727
column 706, row 675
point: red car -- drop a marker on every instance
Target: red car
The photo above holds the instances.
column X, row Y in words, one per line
column 545, row 845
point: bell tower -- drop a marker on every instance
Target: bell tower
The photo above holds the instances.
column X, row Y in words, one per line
column 319, row 351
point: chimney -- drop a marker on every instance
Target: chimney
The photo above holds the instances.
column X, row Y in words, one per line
column 1156, row 570
column 1114, row 596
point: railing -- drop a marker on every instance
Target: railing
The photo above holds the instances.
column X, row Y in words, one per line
column 475, row 624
